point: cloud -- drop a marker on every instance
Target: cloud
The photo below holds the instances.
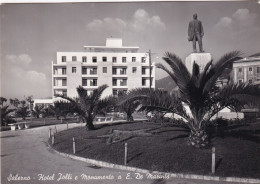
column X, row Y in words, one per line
column 19, row 79
column 108, row 24
column 224, row 22
column 95, row 25
column 35, row 77
column 141, row 21
column 240, row 19
column 22, row 59
column 244, row 17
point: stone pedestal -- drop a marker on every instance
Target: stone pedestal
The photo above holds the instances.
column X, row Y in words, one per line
column 200, row 58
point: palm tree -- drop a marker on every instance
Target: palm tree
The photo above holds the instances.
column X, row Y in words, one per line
column 37, row 111
column 22, row 110
column 128, row 106
column 198, row 91
column 60, row 109
column 87, row 106
column 4, row 112
column 2, row 101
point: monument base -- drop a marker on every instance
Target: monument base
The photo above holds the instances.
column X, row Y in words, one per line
column 200, row 58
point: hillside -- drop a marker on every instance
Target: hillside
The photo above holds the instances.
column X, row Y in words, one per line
column 167, row 83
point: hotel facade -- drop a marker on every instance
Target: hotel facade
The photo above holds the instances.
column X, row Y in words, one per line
column 247, row 70
column 121, row 68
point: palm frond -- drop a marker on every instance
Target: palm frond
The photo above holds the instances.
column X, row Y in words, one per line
column 160, row 66
column 179, row 69
column 255, row 55
column 244, row 93
column 158, row 100
column 219, row 67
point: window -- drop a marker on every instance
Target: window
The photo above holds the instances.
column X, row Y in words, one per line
column 84, row 59
column 84, row 70
column 250, row 81
column 64, row 82
column 55, row 71
column 240, row 81
column 64, row 71
column 114, row 59
column 258, row 70
column 94, row 59
column 84, row 82
column 123, row 82
column 143, row 59
column 240, row 70
column 93, row 82
column 114, row 71
column 133, row 59
column 63, row 59
column 55, row 82
column 114, row 92
column 123, row 71
column 64, row 92
column 250, row 69
column 74, row 58
column 114, row 82
column 143, row 82
column 104, row 59
column 143, row 71
column 93, row 71
column 104, row 69
column 74, row 70
column 134, row 70
column 123, row 59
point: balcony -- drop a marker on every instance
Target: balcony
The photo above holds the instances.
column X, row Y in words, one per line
column 60, row 75
column 59, row 87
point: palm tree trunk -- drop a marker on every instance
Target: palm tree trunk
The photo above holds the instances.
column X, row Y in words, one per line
column 129, row 117
column 89, row 124
column 198, row 138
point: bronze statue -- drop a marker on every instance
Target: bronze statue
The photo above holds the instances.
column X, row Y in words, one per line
column 195, row 33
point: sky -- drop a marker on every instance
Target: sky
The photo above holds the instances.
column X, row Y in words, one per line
column 31, row 34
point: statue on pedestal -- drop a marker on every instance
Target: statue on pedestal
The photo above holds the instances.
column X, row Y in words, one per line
column 195, row 33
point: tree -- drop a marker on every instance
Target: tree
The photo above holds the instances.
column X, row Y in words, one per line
column 128, row 106
column 46, row 112
column 87, row 106
column 4, row 112
column 198, row 91
column 2, row 101
column 22, row 110
column 37, row 111
column 15, row 102
column 60, row 109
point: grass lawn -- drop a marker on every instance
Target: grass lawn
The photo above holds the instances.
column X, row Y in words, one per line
column 237, row 152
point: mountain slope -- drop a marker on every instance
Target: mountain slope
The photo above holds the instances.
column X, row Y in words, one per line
column 167, row 83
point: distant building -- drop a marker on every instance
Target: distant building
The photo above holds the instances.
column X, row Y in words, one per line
column 122, row 68
column 247, row 70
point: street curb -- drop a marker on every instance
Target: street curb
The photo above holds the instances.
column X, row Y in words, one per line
column 144, row 171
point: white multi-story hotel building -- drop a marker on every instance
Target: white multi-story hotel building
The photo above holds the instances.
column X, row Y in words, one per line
column 247, row 70
column 121, row 68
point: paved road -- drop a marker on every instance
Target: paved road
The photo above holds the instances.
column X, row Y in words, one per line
column 25, row 153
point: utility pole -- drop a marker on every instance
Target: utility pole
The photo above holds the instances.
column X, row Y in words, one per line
column 150, row 68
